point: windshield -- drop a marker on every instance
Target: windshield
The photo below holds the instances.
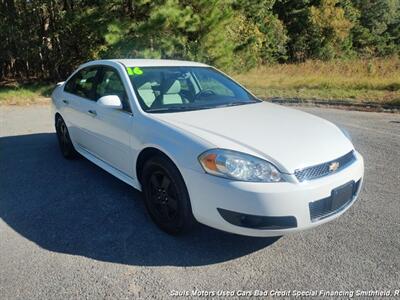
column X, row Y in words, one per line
column 171, row 89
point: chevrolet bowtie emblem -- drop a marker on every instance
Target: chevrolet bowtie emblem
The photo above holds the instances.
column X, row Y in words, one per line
column 334, row 166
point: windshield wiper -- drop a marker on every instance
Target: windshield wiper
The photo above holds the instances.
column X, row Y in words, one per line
column 190, row 108
column 173, row 109
column 231, row 104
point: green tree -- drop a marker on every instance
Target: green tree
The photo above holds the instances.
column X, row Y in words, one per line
column 261, row 36
column 330, row 30
column 378, row 29
column 49, row 38
column 316, row 28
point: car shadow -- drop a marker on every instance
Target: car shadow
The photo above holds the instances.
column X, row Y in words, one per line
column 75, row 207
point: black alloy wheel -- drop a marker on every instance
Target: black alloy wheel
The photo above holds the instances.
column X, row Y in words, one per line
column 64, row 140
column 166, row 197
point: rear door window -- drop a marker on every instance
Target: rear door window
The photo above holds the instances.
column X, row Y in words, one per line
column 82, row 83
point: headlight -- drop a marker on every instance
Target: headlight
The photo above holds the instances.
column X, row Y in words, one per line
column 238, row 166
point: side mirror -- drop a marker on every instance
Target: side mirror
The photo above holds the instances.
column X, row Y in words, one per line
column 110, row 101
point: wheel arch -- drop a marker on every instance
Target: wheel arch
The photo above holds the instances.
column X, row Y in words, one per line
column 57, row 115
column 147, row 153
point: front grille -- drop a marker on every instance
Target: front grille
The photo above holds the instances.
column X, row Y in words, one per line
column 329, row 206
column 323, row 169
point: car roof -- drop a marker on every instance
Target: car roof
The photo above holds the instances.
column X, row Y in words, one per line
column 155, row 63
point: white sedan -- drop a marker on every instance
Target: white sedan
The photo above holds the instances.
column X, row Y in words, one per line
column 203, row 148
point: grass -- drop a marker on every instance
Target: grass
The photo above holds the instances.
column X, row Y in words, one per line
column 12, row 93
column 375, row 80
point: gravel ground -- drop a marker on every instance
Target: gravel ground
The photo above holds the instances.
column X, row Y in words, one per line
column 70, row 230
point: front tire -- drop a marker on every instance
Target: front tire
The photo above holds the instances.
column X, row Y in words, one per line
column 166, row 196
column 64, row 140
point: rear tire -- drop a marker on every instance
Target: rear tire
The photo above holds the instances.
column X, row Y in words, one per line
column 166, row 197
column 64, row 140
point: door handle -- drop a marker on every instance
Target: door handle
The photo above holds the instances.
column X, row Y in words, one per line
column 66, row 102
column 93, row 113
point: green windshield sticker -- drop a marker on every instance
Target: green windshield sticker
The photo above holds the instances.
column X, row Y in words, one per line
column 137, row 71
column 134, row 71
column 130, row 71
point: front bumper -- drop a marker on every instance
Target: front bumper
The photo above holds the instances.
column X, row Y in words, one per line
column 276, row 201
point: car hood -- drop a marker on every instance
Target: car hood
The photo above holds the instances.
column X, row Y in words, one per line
column 289, row 138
